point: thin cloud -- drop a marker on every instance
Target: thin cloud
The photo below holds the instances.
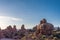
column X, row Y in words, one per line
column 10, row 18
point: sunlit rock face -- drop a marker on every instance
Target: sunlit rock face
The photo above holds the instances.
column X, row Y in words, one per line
column 44, row 27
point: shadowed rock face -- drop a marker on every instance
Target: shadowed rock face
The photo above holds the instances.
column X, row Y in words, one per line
column 1, row 34
column 44, row 27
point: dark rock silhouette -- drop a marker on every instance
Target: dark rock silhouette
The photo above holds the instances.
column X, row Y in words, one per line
column 39, row 32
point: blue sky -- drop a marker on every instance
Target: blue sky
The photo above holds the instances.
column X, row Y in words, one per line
column 29, row 12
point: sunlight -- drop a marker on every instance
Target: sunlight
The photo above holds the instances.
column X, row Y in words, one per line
column 5, row 21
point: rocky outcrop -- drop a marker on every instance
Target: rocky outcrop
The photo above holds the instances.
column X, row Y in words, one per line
column 44, row 27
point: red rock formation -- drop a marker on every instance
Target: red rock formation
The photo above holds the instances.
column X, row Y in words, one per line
column 44, row 27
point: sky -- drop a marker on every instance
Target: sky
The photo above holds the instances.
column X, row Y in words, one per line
column 29, row 12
